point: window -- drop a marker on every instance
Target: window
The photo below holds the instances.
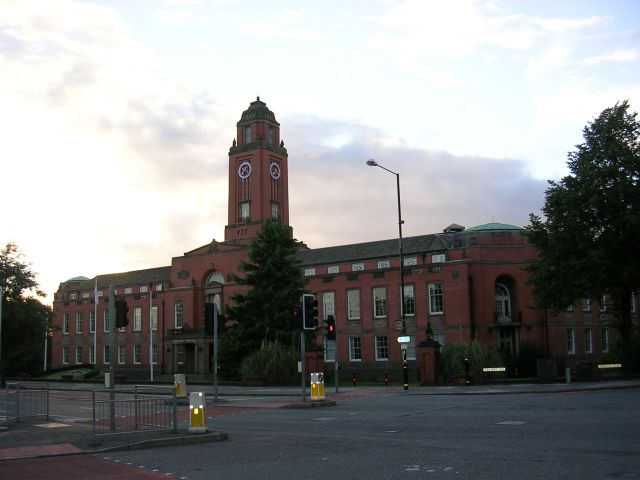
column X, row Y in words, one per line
column 178, row 311
column 65, row 355
column 409, row 301
column 382, row 347
column 357, row 267
column 275, row 211
column 380, row 302
column 439, row 258
column 604, row 339
column 137, row 354
column 355, row 349
column 106, row 354
column 73, row 296
column 65, row 323
column 92, row 354
column 436, row 298
column 571, row 341
column 328, row 304
column 588, row 341
column 570, row 308
column 353, row 304
column 144, row 289
column 603, row 303
column 92, row 323
column 329, row 350
column 105, row 321
column 154, row 317
column 121, row 355
column 137, row 319
column 78, row 354
column 78, row 322
column 384, row 264
column 309, row 272
column 410, row 261
column 86, row 294
column 245, row 211
column 411, row 348
column 333, row 269
column 128, row 290
column 154, row 354
column 247, row 134
column 586, row 304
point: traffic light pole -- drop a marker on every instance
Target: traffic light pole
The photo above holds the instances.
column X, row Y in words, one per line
column 302, row 366
column 112, row 373
column 216, row 319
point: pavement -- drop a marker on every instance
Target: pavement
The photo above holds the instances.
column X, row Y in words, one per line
column 36, row 437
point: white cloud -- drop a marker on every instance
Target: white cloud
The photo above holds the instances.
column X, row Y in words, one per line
column 560, row 25
column 622, row 55
column 177, row 17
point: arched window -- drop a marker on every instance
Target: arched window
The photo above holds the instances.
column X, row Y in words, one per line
column 213, row 289
column 503, row 304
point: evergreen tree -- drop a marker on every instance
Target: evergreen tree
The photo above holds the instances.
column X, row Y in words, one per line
column 589, row 242
column 264, row 312
column 24, row 318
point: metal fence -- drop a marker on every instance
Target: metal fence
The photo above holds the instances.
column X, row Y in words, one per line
column 20, row 402
column 142, row 410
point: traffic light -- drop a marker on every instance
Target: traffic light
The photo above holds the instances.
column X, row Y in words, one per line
column 209, row 309
column 331, row 327
column 309, row 312
column 209, row 312
column 121, row 314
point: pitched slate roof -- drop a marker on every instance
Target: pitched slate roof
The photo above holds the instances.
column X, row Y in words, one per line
column 378, row 249
column 136, row 277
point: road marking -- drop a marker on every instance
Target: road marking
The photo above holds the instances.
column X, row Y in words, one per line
column 512, row 422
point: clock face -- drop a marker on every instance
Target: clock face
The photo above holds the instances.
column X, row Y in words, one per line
column 274, row 170
column 244, row 170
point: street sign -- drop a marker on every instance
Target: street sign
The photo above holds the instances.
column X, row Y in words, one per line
column 404, row 339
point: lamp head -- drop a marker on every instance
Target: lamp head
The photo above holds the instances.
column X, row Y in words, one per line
column 372, row 163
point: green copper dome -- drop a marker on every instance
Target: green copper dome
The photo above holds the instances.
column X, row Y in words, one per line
column 493, row 226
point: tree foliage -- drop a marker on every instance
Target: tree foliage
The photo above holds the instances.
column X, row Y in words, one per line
column 24, row 318
column 589, row 241
column 264, row 312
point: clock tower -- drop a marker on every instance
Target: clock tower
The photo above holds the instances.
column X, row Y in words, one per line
column 258, row 175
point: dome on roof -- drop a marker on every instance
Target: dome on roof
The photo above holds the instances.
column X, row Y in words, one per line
column 493, row 226
column 78, row 279
column 258, row 110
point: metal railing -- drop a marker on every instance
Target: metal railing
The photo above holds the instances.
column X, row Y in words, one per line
column 20, row 402
column 142, row 410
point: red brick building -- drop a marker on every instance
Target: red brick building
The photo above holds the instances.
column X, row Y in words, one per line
column 463, row 284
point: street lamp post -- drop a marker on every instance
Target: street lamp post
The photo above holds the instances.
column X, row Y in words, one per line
column 405, row 367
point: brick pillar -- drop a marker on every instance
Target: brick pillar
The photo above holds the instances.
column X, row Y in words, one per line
column 429, row 360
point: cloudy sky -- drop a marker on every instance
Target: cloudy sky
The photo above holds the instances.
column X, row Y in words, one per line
column 117, row 116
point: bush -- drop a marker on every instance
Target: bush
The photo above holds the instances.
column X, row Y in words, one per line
column 273, row 364
column 479, row 356
column 94, row 372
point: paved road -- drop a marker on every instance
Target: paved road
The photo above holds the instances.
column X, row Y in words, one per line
column 585, row 435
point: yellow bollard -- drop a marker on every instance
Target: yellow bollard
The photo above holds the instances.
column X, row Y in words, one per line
column 180, row 384
column 197, row 414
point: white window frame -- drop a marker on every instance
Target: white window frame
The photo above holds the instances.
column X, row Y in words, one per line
column 357, row 267
column 137, row 354
column 355, row 349
column 588, row 340
column 128, row 290
column 92, row 354
column 143, row 289
column 65, row 323
column 92, row 322
column 122, row 354
column 78, row 354
column 384, row 263
column 411, row 348
column 333, row 269
column 309, row 272
column 328, row 304
column 382, row 348
column 353, row 304
column 571, row 341
column 105, row 321
column 586, row 304
column 154, row 317
column 436, row 297
column 78, row 322
column 178, row 314
column 65, row 355
column 410, row 261
column 106, row 355
column 137, row 319
column 604, row 339
column 329, row 350
column 438, row 258
column 380, row 303
column 409, row 293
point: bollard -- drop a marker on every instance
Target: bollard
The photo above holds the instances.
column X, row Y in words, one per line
column 386, row 380
column 567, row 375
column 353, row 379
column 197, row 416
